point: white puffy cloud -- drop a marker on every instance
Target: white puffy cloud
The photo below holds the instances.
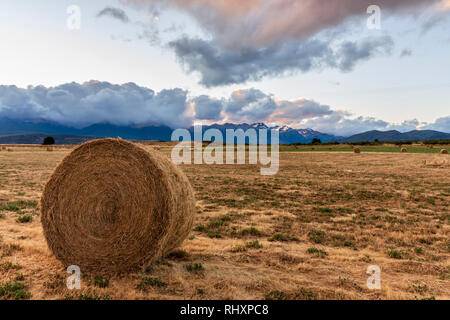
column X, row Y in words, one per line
column 441, row 124
column 96, row 102
column 93, row 102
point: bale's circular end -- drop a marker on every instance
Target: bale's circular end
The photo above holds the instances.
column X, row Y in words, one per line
column 112, row 206
column 357, row 150
column 444, row 151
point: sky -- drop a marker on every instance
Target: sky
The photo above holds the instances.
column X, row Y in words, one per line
column 303, row 63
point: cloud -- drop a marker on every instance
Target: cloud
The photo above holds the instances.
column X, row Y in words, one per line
column 250, row 105
column 96, row 102
column 115, row 13
column 222, row 67
column 81, row 105
column 292, row 112
column 262, row 23
column 441, row 124
column 406, row 53
column 252, row 39
column 207, row 108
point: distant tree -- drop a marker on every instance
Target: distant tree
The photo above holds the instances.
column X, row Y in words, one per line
column 316, row 141
column 49, row 141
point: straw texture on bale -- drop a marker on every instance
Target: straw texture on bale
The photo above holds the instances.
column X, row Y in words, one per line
column 357, row 150
column 112, row 206
column 444, row 151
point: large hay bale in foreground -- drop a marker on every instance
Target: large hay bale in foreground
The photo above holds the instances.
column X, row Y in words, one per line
column 112, row 206
column 357, row 150
column 444, row 151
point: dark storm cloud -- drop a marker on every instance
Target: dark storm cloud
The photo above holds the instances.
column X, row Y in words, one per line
column 115, row 13
column 222, row 67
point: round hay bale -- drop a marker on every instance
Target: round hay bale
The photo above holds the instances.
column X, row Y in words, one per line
column 404, row 150
column 444, row 151
column 10, row 150
column 357, row 150
column 112, row 206
column 50, row 149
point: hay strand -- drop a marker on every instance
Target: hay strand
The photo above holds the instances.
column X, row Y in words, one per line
column 112, row 206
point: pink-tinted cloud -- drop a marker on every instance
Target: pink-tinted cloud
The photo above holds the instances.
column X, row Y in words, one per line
column 261, row 23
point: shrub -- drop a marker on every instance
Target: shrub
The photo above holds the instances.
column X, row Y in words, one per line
column 48, row 141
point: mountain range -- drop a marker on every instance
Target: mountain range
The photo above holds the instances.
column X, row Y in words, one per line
column 33, row 132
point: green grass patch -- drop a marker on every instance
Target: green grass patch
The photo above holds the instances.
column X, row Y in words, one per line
column 253, row 245
column 196, row 268
column 101, row 282
column 318, row 252
column 150, row 282
column 317, row 236
column 16, row 291
column 24, row 219
column 252, row 231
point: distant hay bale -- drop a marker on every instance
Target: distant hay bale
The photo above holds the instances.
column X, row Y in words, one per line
column 50, row 149
column 10, row 150
column 3, row 148
column 357, row 150
column 444, row 151
column 112, row 206
column 313, row 148
column 404, row 150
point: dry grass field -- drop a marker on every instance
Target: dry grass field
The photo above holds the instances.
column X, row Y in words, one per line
column 309, row 232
